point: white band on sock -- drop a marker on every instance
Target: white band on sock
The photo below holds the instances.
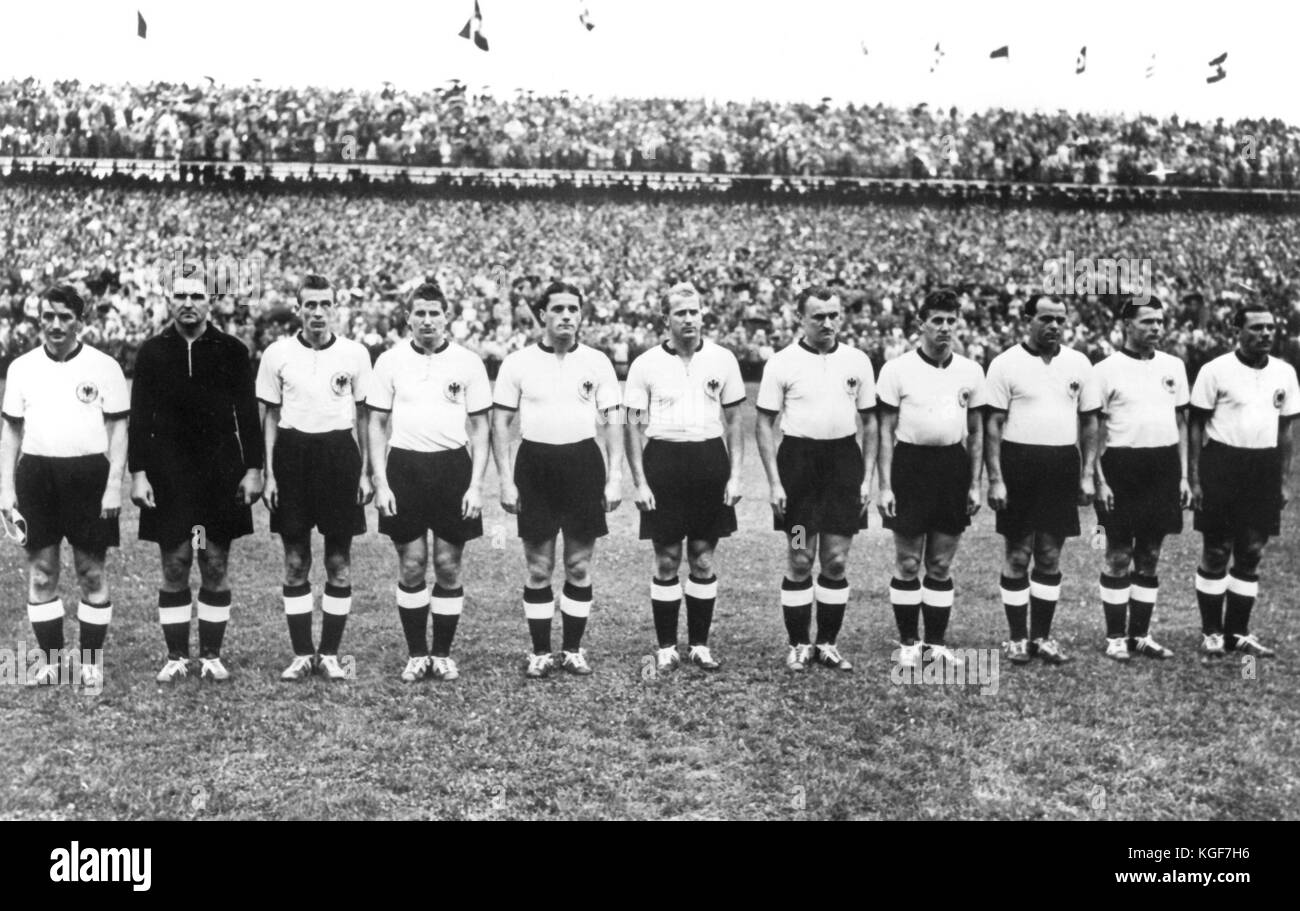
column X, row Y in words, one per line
column 50, row 610
column 96, row 616
column 297, row 604
column 574, row 608
column 1211, row 586
column 448, row 607
column 1015, row 597
column 904, row 597
column 665, row 592
column 1115, row 595
column 703, row 590
column 832, row 595
column 934, row 597
column 1243, row 587
column 1144, row 594
column 1044, row 592
column 214, row 614
column 413, row 600
column 332, row 604
column 543, row 611
column 180, row 614
column 798, row 597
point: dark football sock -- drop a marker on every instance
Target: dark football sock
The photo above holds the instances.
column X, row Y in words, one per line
column 832, row 600
column 539, row 609
column 905, row 599
column 1210, row 591
column 1044, row 592
column 796, row 607
column 174, row 612
column 1115, row 596
column 93, row 621
column 1141, row 604
column 1243, row 587
column 936, row 607
column 413, row 609
column 335, row 604
column 47, row 623
column 1015, row 602
column 214, row 614
column 665, row 606
column 575, row 608
column 447, row 605
column 701, row 595
column 297, row 613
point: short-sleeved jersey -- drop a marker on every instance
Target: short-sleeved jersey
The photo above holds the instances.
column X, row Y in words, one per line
column 316, row 390
column 430, row 394
column 1245, row 402
column 817, row 394
column 1140, row 398
column 684, row 401
column 932, row 399
column 63, row 404
column 558, row 398
column 1042, row 401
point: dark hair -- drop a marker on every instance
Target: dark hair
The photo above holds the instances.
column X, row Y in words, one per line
column 680, row 289
column 314, row 282
column 1031, row 305
column 544, row 299
column 428, row 291
column 821, row 292
column 943, row 300
column 1244, row 310
column 68, row 296
column 1132, row 307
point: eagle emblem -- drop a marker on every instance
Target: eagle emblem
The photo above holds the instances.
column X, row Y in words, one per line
column 1075, row 385
column 586, row 389
column 87, row 391
column 713, row 387
column 340, row 383
column 1169, row 384
column 963, row 396
column 454, row 391
column 1279, row 398
column 851, row 384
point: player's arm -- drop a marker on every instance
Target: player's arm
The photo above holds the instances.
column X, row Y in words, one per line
column 1088, row 442
column 995, row 420
column 765, row 432
column 613, row 433
column 635, row 441
column 139, row 432
column 248, row 427
column 11, row 438
column 734, row 434
column 502, row 418
column 361, row 434
column 1105, row 496
column 1195, row 442
column 270, row 431
column 975, row 454
column 480, row 428
column 111, row 504
column 377, row 438
column 1184, row 489
column 1285, row 447
column 885, row 460
column 870, row 446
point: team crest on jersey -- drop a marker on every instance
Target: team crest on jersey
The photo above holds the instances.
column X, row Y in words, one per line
column 586, row 389
column 713, row 387
column 87, row 391
column 963, row 396
column 1169, row 384
column 851, row 385
column 1075, row 386
column 454, row 391
column 1279, row 398
column 340, row 383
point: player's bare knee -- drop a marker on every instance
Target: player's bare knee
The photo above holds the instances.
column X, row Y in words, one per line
column 667, row 563
column 1215, row 555
column 1246, row 557
column 338, row 570
column 1118, row 561
column 938, row 566
column 43, row 582
column 907, row 566
column 446, row 570
column 577, row 572
column 297, row 567
column 799, row 564
column 412, row 568
column 1016, row 564
column 212, row 572
column 701, row 564
column 90, row 578
column 1047, row 559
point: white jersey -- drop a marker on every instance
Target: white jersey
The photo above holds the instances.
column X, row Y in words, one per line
column 430, row 395
column 1245, row 402
column 316, row 390
column 63, row 404
column 684, row 401
column 818, row 395
column 1140, row 398
column 558, row 398
column 1042, row 401
column 932, row 399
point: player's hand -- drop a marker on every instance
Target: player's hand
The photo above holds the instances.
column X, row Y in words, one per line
column 1184, row 494
column 1087, row 491
column 110, row 507
column 250, row 487
column 731, row 496
column 385, row 502
column 776, row 499
column 471, row 505
column 8, row 500
column 509, row 497
column 887, row 506
column 997, row 495
column 271, row 493
column 142, row 493
column 973, row 500
column 1105, row 496
column 1198, row 496
column 644, row 498
column 613, row 494
column 864, row 498
column 365, row 491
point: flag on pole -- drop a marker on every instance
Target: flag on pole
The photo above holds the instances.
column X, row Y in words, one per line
column 1219, row 72
column 473, row 29
column 585, row 19
column 938, row 55
column 1081, row 61
column 141, row 27
column 1151, row 67
column 1003, row 53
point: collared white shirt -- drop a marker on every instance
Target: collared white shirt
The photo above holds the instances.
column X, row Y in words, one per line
column 1245, row 402
column 430, row 395
column 316, row 390
column 63, row 404
column 932, row 399
column 818, row 395
column 1043, row 401
column 684, row 401
column 1140, row 398
column 558, row 397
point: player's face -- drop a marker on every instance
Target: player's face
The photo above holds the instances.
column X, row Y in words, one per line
column 1146, row 329
column 1256, row 334
column 1047, row 324
column 189, row 302
column 562, row 316
column 59, row 325
column 316, row 310
column 821, row 321
column 937, row 330
column 685, row 318
column 428, row 323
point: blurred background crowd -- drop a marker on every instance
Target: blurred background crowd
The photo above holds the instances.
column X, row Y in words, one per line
column 450, row 127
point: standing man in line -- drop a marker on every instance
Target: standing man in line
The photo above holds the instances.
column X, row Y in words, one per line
column 1041, row 410
column 819, row 479
column 931, row 449
column 429, row 401
column 1141, row 474
column 1243, row 406
column 682, row 397
column 312, row 387
column 564, row 392
column 65, row 409
column 195, row 456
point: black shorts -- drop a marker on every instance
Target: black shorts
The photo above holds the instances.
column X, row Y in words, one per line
column 1042, row 490
column 689, row 481
column 561, row 488
column 317, row 476
column 62, row 498
column 1145, row 485
column 1241, row 490
column 429, row 488
column 930, row 484
column 190, row 492
column 822, row 481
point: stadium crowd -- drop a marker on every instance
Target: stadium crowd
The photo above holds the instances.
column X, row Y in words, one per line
column 451, row 127
column 748, row 260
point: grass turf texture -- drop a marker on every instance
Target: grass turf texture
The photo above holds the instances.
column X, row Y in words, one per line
column 1091, row 740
